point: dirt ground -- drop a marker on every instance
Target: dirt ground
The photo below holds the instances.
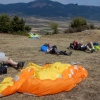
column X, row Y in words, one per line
column 21, row 48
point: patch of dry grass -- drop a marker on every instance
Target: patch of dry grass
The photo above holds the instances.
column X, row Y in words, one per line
column 21, row 48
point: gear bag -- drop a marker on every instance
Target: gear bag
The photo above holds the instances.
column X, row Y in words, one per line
column 3, row 69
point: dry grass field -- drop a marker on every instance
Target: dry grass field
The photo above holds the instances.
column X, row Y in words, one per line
column 21, row 48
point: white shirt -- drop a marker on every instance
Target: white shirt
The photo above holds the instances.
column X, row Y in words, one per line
column 2, row 55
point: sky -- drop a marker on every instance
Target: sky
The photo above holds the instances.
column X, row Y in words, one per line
column 80, row 2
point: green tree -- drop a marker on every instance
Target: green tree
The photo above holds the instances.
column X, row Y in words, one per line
column 17, row 24
column 54, row 27
column 78, row 22
column 22, row 24
column 14, row 25
column 4, row 23
column 27, row 28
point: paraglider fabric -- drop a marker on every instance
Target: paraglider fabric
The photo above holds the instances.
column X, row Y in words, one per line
column 97, row 47
column 35, row 36
column 44, row 80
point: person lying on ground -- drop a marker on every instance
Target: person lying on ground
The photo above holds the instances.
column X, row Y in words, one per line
column 78, row 46
column 52, row 49
column 8, row 61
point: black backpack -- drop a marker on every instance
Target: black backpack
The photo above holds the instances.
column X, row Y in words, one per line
column 3, row 69
column 75, row 45
column 71, row 46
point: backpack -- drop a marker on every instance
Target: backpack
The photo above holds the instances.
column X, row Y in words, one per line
column 44, row 47
column 3, row 69
column 75, row 45
column 95, row 43
column 71, row 46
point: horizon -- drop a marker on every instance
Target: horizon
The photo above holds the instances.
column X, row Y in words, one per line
column 79, row 2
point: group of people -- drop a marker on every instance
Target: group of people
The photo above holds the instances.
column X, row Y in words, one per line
column 52, row 49
column 83, row 47
column 49, row 48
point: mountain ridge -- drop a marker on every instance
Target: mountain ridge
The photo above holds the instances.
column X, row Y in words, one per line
column 48, row 8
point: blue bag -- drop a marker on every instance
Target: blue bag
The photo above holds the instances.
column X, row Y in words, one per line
column 44, row 48
column 95, row 43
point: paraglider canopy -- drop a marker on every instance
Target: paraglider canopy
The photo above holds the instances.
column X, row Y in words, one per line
column 34, row 35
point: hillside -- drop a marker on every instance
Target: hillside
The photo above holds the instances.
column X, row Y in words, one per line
column 51, row 9
column 21, row 48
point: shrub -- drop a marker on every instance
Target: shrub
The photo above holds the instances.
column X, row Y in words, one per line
column 54, row 27
column 77, row 25
column 98, row 28
column 70, row 30
column 78, row 22
column 92, row 26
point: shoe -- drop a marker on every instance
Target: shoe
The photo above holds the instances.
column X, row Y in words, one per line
column 57, row 54
column 69, row 54
column 23, row 64
column 20, row 65
column 92, row 50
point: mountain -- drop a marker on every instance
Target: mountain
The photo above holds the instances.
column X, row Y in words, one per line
column 48, row 8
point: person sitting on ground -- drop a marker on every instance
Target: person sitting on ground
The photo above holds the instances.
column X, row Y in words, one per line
column 8, row 61
column 53, row 50
column 78, row 46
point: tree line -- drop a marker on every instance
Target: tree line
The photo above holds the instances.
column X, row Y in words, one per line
column 16, row 25
column 13, row 25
